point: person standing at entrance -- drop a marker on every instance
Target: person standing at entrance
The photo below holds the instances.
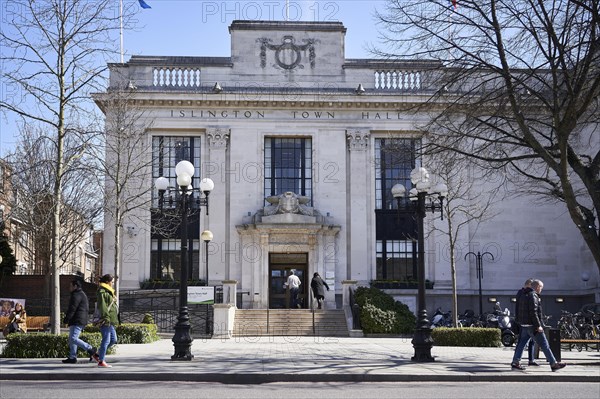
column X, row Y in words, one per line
column 293, row 283
column 318, row 286
column 77, row 318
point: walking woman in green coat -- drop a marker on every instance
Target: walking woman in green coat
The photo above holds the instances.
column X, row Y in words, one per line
column 108, row 310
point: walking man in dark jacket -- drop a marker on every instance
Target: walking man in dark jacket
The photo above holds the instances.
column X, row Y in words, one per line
column 523, row 338
column 77, row 318
column 530, row 317
column 318, row 286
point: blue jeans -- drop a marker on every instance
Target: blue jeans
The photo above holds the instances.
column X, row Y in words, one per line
column 524, row 338
column 109, row 338
column 75, row 342
column 539, row 338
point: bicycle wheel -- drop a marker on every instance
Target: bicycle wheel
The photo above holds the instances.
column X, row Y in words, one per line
column 587, row 332
column 575, row 335
column 564, row 334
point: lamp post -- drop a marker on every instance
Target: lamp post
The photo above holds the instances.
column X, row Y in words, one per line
column 479, row 267
column 422, row 198
column 207, row 237
column 182, row 341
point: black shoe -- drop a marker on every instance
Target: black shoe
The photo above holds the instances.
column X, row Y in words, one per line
column 557, row 366
column 533, row 363
column 517, row 366
column 70, row 361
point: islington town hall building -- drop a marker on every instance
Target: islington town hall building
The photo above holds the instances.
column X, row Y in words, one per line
column 303, row 146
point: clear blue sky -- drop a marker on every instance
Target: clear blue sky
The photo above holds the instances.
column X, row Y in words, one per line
column 200, row 28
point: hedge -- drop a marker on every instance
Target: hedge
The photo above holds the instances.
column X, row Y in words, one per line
column 130, row 333
column 471, row 336
column 381, row 314
column 44, row 345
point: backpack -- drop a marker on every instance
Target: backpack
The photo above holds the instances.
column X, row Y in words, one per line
column 96, row 318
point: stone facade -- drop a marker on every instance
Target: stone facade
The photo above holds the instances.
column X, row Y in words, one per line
column 292, row 80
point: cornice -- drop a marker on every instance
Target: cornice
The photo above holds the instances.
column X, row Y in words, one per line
column 331, row 105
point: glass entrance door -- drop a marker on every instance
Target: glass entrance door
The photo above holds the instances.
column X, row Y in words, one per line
column 280, row 266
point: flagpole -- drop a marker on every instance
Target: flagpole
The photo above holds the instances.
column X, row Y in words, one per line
column 121, row 30
column 287, row 10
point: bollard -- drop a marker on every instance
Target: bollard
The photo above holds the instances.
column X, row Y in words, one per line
column 554, row 342
column 553, row 336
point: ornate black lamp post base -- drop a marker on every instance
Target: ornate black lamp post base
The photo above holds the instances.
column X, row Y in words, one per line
column 182, row 341
column 422, row 341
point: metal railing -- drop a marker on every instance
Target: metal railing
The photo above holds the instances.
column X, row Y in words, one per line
column 163, row 307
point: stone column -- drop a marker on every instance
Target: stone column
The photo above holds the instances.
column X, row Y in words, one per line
column 224, row 313
column 358, row 186
column 230, row 292
column 217, row 139
column 330, row 260
column 346, row 286
column 260, row 275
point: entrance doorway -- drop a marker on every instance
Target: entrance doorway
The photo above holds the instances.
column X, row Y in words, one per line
column 280, row 266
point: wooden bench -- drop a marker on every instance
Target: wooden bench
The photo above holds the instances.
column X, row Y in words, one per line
column 34, row 323
column 585, row 342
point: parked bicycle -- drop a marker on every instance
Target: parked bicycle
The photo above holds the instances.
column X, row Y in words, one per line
column 568, row 330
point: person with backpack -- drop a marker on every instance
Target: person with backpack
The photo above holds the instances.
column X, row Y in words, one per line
column 108, row 314
column 77, row 318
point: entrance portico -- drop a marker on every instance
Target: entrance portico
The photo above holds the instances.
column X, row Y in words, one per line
column 288, row 228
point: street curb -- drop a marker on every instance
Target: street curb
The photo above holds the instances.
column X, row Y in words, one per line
column 254, row 379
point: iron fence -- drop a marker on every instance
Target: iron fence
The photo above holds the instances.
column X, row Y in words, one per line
column 163, row 307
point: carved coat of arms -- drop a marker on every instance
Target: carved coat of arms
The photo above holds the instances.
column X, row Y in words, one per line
column 288, row 54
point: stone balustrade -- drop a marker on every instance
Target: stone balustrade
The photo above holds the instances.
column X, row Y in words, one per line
column 202, row 73
column 397, row 80
column 176, row 77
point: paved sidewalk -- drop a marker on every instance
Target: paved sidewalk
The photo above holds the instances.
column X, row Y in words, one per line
column 252, row 360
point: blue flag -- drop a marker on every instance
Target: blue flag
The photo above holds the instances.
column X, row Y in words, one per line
column 143, row 4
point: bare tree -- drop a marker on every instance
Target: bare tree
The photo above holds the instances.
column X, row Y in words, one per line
column 467, row 205
column 32, row 165
column 519, row 90
column 54, row 52
column 125, row 165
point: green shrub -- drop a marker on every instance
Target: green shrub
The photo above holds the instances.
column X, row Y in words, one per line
column 44, row 345
column 472, row 336
column 380, row 313
column 129, row 333
column 148, row 319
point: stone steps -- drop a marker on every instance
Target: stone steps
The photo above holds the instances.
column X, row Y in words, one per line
column 293, row 322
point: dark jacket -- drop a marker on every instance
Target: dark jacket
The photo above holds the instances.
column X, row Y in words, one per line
column 318, row 286
column 79, row 309
column 530, row 310
column 522, row 292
